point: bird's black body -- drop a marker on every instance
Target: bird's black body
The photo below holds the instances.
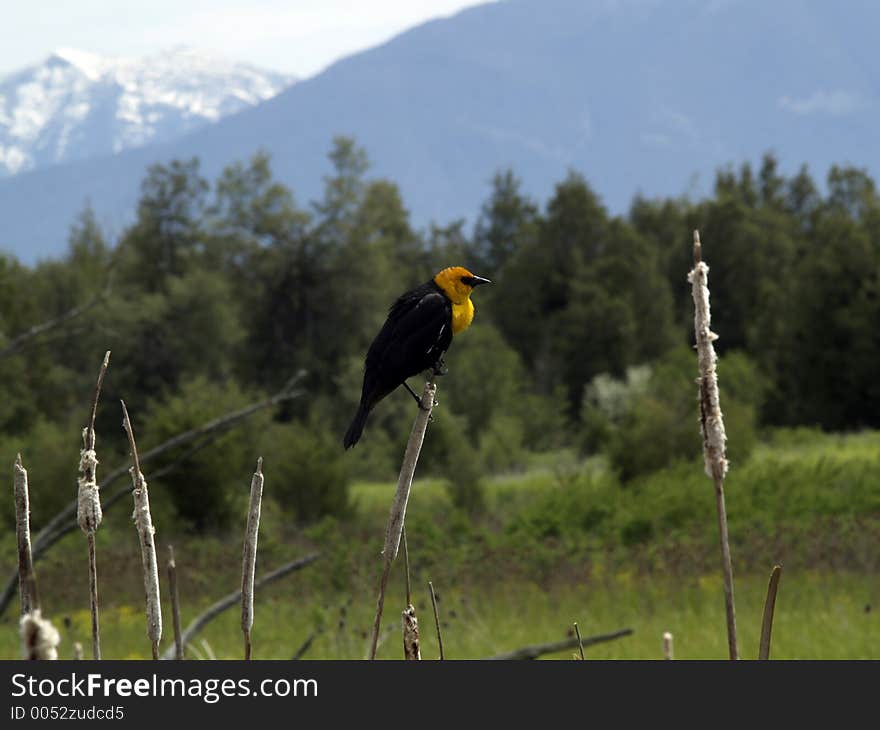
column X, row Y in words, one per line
column 413, row 339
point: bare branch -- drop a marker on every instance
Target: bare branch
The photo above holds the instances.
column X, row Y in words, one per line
column 232, row 599
column 22, row 340
column 533, row 652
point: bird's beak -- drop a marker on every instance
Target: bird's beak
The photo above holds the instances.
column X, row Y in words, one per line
column 476, row 281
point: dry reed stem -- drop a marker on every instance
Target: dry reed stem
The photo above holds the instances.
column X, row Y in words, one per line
column 411, row 635
column 580, row 643
column 397, row 515
column 712, row 426
column 533, row 652
column 88, row 513
column 769, row 609
column 406, row 565
column 65, row 520
column 77, row 650
column 27, row 581
column 667, row 646
column 175, row 603
column 39, row 638
column 436, row 619
column 218, row 607
column 144, row 523
column 249, row 558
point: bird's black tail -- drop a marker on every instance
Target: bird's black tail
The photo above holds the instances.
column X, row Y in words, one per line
column 356, row 428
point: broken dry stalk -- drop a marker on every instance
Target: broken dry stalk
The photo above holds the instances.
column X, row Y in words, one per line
column 411, row 634
column 667, row 645
column 712, row 425
column 88, row 504
column 27, row 581
column 144, row 523
column 769, row 609
column 175, row 603
column 249, row 559
column 397, row 515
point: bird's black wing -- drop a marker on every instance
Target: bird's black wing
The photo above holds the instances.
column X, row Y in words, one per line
column 416, row 334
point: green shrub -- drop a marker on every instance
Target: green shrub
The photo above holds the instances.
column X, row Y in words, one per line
column 307, row 470
column 208, row 486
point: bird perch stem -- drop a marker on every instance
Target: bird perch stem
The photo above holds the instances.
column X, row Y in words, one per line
column 397, row 515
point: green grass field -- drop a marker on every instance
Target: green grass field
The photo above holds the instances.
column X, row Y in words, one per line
column 560, row 542
column 818, row 617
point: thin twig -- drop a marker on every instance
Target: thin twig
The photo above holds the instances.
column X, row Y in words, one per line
column 65, row 520
column 436, row 619
column 27, row 581
column 144, row 523
column 175, row 603
column 580, row 643
column 533, row 652
column 397, row 514
column 306, row 645
column 215, row 609
column 712, row 426
column 249, row 558
column 769, row 609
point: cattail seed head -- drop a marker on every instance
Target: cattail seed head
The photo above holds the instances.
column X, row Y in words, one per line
column 88, row 508
column 39, row 638
column 711, row 419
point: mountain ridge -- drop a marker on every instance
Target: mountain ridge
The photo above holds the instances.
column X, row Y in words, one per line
column 640, row 96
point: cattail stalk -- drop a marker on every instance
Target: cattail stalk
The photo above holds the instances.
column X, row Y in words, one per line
column 175, row 603
column 249, row 559
column 769, row 609
column 667, row 646
column 712, row 425
column 144, row 523
column 27, row 581
column 88, row 511
column 397, row 515
column 198, row 438
column 436, row 618
column 39, row 638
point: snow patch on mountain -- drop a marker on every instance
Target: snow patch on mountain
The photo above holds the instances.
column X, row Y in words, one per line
column 78, row 104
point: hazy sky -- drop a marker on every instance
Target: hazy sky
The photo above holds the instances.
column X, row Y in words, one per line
column 297, row 36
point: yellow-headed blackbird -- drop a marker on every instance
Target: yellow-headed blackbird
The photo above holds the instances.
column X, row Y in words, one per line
column 415, row 336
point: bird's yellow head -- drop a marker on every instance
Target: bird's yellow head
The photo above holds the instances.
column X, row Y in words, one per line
column 458, row 283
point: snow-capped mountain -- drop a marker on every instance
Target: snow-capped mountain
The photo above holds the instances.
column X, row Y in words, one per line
column 76, row 104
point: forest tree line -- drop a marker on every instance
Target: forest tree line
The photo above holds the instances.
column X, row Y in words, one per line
column 221, row 291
